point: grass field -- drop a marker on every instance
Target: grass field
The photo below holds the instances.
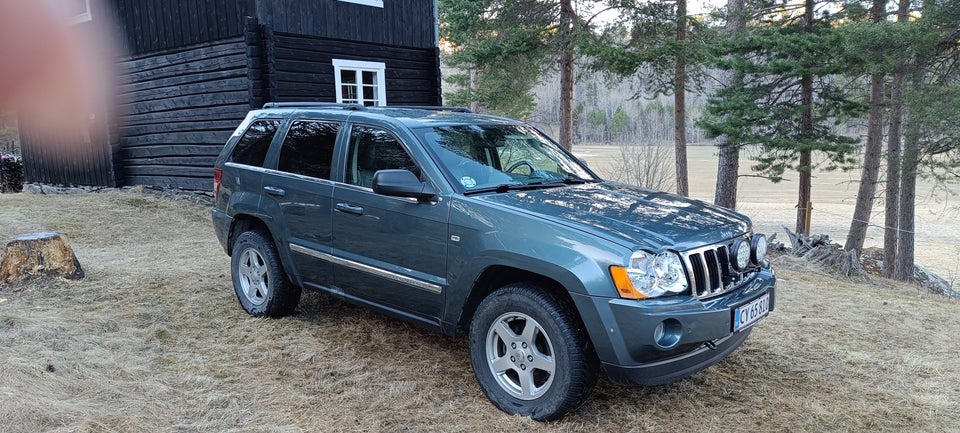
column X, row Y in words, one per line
column 153, row 340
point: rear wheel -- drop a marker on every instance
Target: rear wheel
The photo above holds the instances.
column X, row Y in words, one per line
column 258, row 277
column 530, row 354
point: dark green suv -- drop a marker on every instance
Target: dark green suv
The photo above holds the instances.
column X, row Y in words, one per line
column 481, row 226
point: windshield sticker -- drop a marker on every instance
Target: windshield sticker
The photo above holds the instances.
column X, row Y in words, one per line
column 468, row 182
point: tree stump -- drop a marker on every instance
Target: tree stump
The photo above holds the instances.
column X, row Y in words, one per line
column 39, row 254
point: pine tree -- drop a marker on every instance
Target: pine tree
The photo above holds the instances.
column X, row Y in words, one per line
column 504, row 47
column 790, row 99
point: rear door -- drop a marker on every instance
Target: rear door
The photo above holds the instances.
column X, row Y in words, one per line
column 298, row 192
column 388, row 250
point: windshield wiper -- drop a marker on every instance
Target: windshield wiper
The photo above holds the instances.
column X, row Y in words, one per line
column 574, row 181
column 564, row 181
column 502, row 188
column 499, row 189
column 552, row 183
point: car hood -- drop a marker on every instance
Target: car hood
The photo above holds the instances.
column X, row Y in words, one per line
column 628, row 214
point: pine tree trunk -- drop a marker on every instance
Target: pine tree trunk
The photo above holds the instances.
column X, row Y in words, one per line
column 474, row 88
column 803, row 194
column 567, row 20
column 891, row 211
column 892, row 194
column 871, row 156
column 904, row 265
column 806, row 131
column 728, row 168
column 728, row 164
column 679, row 104
column 871, row 168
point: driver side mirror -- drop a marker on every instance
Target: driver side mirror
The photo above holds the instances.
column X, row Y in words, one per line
column 402, row 183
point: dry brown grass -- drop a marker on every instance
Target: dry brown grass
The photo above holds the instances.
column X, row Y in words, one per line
column 153, row 340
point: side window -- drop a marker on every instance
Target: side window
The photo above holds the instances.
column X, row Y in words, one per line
column 373, row 149
column 253, row 146
column 308, row 148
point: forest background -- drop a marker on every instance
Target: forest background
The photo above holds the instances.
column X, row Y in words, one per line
column 781, row 90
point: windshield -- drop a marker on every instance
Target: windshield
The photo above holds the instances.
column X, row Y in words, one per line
column 481, row 157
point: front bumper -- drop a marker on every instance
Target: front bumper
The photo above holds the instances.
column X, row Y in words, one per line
column 695, row 333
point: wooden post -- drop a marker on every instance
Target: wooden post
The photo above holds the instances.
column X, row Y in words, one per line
column 39, row 254
column 807, row 217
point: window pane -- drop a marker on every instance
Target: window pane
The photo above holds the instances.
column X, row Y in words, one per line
column 255, row 142
column 370, row 77
column 348, row 76
column 308, row 149
column 348, row 93
column 373, row 149
column 370, row 95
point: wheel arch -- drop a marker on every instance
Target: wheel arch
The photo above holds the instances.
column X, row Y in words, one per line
column 497, row 276
column 246, row 222
column 242, row 223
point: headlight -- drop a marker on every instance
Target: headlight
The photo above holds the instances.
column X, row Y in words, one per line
column 649, row 275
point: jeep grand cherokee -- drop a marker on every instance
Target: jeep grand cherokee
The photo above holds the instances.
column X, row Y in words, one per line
column 483, row 227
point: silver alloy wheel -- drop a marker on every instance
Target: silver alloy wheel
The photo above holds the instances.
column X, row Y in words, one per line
column 520, row 355
column 254, row 281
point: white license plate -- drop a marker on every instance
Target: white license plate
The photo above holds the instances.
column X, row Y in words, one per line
column 749, row 314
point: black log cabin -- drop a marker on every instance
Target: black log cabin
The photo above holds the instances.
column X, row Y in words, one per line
column 192, row 68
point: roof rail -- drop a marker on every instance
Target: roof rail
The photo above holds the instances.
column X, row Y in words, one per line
column 433, row 108
column 307, row 104
column 358, row 107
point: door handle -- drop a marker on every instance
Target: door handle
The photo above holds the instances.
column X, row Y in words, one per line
column 272, row 190
column 347, row 208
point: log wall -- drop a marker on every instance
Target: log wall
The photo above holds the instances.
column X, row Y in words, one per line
column 179, row 108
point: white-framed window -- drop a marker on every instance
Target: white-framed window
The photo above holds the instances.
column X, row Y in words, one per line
column 374, row 3
column 360, row 82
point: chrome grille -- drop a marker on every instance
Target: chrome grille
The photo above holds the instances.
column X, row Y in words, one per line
column 709, row 271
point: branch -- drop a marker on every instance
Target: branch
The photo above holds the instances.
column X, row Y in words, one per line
column 760, row 176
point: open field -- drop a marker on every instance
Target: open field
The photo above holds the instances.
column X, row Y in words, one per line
column 773, row 206
column 153, row 340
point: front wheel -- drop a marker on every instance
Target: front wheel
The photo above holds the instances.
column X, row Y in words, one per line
column 258, row 277
column 530, row 354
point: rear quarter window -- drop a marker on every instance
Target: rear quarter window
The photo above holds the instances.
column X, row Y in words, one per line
column 255, row 142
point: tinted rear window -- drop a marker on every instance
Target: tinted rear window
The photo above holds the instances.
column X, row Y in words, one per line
column 308, row 149
column 253, row 146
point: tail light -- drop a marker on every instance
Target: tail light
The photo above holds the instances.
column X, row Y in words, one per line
column 217, row 177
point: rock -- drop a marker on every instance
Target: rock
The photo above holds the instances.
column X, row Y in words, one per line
column 39, row 254
column 933, row 283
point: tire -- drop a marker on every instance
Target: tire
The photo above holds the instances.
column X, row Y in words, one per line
column 522, row 334
column 259, row 281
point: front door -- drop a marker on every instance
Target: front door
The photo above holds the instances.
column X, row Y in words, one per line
column 388, row 250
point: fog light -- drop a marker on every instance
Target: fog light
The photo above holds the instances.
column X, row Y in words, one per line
column 667, row 334
column 759, row 246
column 740, row 255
